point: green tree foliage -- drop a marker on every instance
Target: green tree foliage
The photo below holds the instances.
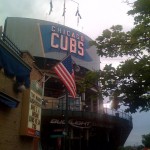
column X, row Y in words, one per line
column 130, row 81
column 91, row 81
column 140, row 147
column 146, row 140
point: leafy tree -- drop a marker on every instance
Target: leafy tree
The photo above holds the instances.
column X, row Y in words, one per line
column 140, row 147
column 146, row 140
column 130, row 81
column 125, row 148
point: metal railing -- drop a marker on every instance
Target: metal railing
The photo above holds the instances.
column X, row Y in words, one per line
column 93, row 112
column 5, row 40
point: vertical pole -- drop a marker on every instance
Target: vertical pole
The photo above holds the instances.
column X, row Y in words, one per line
column 64, row 10
column 87, row 138
column 80, row 139
column 66, row 122
column 43, row 86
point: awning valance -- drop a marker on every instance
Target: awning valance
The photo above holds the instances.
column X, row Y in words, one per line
column 8, row 101
column 13, row 67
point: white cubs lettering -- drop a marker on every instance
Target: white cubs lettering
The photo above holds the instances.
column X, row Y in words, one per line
column 64, row 42
column 54, row 35
column 67, row 43
column 72, row 45
column 81, row 50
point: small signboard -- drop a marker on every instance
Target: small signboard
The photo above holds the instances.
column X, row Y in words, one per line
column 31, row 111
column 34, row 116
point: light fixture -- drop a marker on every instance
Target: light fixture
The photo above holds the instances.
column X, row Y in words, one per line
column 18, row 87
column 21, row 88
column 44, row 102
column 83, row 96
column 37, row 86
column 77, row 68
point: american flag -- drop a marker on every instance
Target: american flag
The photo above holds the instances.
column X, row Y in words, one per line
column 64, row 70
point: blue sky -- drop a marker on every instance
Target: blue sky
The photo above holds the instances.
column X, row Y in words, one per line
column 97, row 15
column 141, row 126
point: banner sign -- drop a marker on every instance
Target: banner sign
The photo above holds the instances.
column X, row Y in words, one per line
column 58, row 38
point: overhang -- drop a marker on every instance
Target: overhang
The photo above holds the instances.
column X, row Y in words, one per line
column 8, row 101
column 14, row 66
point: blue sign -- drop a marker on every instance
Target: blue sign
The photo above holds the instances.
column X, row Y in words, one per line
column 37, row 133
column 58, row 38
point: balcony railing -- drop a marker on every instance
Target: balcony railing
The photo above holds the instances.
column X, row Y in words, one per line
column 5, row 40
column 86, row 111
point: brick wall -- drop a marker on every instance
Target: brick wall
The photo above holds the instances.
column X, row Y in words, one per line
column 35, row 73
column 10, row 118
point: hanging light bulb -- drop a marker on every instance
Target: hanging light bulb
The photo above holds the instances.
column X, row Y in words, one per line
column 21, row 87
column 77, row 68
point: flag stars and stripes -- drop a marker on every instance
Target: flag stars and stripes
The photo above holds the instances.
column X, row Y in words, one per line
column 64, row 70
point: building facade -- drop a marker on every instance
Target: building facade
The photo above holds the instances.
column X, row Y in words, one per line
column 17, row 72
column 63, row 122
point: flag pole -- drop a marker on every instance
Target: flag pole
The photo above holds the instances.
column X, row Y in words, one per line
column 51, row 7
column 66, row 111
column 77, row 12
column 64, row 13
column 66, row 121
column 64, row 70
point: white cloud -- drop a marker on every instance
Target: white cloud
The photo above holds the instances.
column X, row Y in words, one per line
column 97, row 15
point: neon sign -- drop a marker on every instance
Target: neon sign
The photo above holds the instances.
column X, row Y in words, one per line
column 74, row 123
